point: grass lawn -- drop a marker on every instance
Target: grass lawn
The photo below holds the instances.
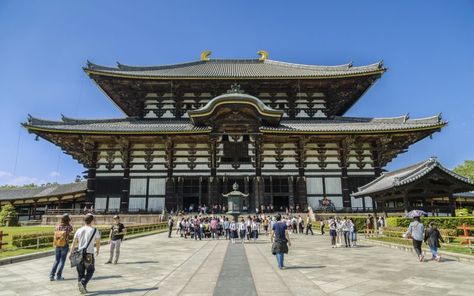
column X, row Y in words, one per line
column 454, row 247
column 11, row 231
column 10, row 251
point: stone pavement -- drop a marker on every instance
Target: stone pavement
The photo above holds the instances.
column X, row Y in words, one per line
column 156, row 265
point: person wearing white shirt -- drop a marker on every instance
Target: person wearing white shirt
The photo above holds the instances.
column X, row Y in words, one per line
column 84, row 240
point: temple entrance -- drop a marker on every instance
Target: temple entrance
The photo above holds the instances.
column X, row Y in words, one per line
column 280, row 203
column 191, row 201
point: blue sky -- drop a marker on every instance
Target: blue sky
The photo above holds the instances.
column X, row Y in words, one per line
column 428, row 47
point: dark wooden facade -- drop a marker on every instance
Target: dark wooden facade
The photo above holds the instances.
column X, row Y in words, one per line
column 192, row 131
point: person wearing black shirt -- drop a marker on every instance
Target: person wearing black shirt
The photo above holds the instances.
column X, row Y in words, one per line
column 117, row 232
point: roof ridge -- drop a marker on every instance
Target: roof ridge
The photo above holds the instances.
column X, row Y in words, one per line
column 123, row 67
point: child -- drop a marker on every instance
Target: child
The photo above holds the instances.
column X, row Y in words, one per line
column 432, row 238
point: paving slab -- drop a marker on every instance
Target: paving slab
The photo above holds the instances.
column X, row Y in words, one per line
column 157, row 265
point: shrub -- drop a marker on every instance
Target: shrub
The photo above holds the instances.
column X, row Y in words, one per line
column 441, row 222
column 462, row 212
column 8, row 211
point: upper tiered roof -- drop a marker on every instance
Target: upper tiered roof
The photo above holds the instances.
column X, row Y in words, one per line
column 235, row 68
column 130, row 86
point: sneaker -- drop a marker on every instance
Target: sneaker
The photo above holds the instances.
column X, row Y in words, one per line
column 108, row 262
column 59, row 278
column 81, row 287
column 115, row 262
column 51, row 278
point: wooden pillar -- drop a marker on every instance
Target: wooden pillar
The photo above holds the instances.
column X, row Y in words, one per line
column 179, row 195
column 200, row 193
column 374, row 208
column 346, row 194
column 452, row 205
column 170, row 199
column 406, row 203
column 291, row 196
column 301, row 192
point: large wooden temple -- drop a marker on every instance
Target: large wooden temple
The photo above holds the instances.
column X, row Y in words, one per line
column 193, row 129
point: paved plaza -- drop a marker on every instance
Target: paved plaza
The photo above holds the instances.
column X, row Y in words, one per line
column 156, row 265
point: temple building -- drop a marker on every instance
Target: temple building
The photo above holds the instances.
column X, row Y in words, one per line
column 192, row 130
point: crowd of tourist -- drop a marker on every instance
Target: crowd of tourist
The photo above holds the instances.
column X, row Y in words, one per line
column 342, row 233
column 200, row 227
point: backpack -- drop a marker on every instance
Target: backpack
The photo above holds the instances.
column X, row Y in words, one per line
column 60, row 238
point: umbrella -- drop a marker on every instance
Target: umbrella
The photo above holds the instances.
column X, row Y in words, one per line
column 416, row 213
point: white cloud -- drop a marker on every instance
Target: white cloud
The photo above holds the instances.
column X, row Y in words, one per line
column 4, row 174
column 24, row 180
column 54, row 174
column 7, row 178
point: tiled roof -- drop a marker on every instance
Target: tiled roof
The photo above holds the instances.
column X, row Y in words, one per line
column 43, row 191
column 126, row 125
column 356, row 124
column 333, row 124
column 405, row 176
column 236, row 68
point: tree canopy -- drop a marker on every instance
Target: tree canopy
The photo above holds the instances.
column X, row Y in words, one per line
column 466, row 169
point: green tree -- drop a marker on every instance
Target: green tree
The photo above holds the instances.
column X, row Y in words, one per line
column 8, row 211
column 466, row 169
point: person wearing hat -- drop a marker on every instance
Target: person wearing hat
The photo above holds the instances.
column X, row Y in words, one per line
column 61, row 243
column 85, row 239
column 117, row 233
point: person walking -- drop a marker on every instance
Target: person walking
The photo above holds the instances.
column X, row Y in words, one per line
column 61, row 243
column 281, row 240
column 416, row 233
column 233, row 231
column 300, row 224
column 254, row 229
column 83, row 242
column 265, row 223
column 309, row 225
column 242, row 229
column 117, row 233
column 346, row 228
column 227, row 228
column 321, row 226
column 170, row 226
column 432, row 238
column 332, row 231
column 213, row 226
column 353, row 233
column 339, row 232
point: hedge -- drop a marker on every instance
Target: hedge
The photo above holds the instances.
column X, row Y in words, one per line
column 441, row 222
column 45, row 239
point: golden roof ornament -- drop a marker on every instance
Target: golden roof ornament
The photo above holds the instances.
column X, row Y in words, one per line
column 263, row 55
column 205, row 55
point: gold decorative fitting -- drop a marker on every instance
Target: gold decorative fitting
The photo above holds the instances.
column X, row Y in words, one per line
column 205, row 55
column 263, row 55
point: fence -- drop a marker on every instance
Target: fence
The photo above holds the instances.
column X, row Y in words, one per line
column 43, row 240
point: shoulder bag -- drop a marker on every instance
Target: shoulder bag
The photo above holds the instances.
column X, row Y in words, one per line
column 77, row 256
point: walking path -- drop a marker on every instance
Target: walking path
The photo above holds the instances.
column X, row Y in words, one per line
column 156, row 265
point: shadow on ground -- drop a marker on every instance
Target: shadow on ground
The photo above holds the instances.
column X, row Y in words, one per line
column 121, row 291
column 304, row 267
column 139, row 262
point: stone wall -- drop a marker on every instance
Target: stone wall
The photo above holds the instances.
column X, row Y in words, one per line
column 105, row 219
